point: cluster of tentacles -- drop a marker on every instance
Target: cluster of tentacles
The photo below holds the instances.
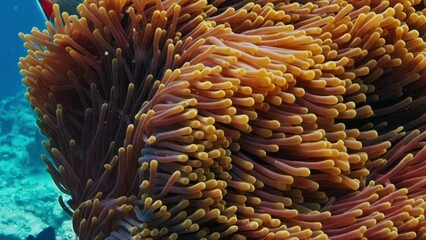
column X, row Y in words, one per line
column 198, row 119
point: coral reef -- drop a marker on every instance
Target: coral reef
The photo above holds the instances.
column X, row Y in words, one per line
column 28, row 198
column 235, row 119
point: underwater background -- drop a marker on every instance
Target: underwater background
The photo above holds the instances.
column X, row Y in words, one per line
column 28, row 196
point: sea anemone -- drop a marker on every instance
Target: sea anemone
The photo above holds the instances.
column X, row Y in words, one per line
column 214, row 119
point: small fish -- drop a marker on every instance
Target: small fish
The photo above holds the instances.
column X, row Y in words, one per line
column 47, row 234
column 69, row 6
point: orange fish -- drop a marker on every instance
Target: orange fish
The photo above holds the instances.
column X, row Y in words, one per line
column 69, row 6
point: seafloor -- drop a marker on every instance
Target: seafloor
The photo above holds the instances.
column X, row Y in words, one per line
column 28, row 197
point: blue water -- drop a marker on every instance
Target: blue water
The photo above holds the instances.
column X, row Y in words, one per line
column 15, row 16
column 28, row 197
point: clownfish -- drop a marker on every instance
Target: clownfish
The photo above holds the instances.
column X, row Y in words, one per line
column 69, row 6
